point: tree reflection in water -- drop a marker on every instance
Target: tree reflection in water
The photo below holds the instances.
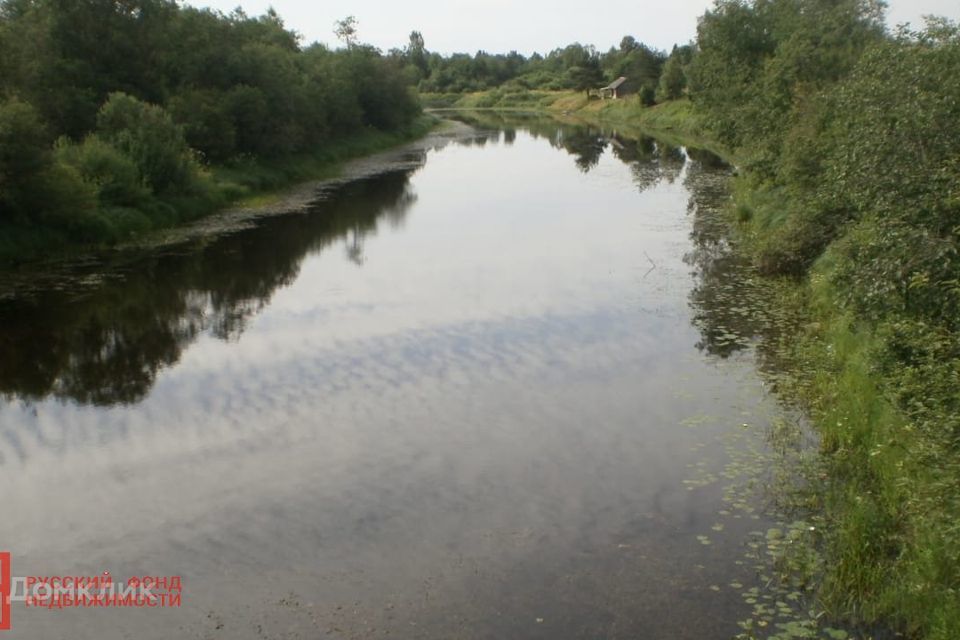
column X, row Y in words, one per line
column 105, row 346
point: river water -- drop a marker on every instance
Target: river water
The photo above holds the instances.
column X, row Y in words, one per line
column 490, row 388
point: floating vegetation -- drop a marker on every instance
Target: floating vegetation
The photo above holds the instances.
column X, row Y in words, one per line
column 771, row 470
column 697, row 420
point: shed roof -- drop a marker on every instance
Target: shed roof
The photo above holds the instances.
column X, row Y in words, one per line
column 616, row 83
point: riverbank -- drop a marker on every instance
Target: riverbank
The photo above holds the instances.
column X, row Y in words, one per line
column 880, row 390
column 882, row 394
column 675, row 121
column 889, row 502
column 244, row 182
column 879, row 381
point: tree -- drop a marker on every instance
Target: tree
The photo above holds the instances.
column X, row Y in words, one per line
column 583, row 77
column 346, row 30
column 113, row 174
column 415, row 56
column 137, row 90
column 673, row 78
column 148, row 136
column 753, row 58
column 24, row 153
column 24, row 142
column 628, row 44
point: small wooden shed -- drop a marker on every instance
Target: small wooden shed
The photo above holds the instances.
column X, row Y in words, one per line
column 614, row 90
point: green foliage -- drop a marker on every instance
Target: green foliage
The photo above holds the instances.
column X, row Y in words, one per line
column 23, row 154
column 208, row 123
column 732, row 43
column 647, row 96
column 114, row 174
column 673, row 79
column 885, row 402
column 575, row 66
column 754, row 59
column 147, row 135
column 641, row 65
column 160, row 87
column 583, row 77
column 416, row 55
column 879, row 175
column 35, row 190
column 385, row 101
column 66, row 57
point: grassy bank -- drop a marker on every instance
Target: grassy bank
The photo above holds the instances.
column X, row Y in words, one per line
column 675, row 121
column 501, row 99
column 246, row 180
column 888, row 475
column 882, row 387
column 251, row 179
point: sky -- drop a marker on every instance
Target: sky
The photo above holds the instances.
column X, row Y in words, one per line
column 497, row 26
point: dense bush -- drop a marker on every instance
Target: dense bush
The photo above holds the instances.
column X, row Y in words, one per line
column 114, row 175
column 672, row 84
column 146, row 134
column 23, row 155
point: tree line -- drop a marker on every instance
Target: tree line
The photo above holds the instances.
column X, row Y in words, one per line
column 655, row 74
column 112, row 113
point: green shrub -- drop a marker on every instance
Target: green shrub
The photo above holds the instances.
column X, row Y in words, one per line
column 65, row 201
column 207, row 122
column 114, row 174
column 646, row 96
column 148, row 136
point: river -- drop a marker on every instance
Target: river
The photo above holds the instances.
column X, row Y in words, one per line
column 491, row 386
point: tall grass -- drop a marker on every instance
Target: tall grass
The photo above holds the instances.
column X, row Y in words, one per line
column 892, row 539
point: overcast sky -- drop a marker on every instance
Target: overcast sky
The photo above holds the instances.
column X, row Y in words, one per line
column 498, row 26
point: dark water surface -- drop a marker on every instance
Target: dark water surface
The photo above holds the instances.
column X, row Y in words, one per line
column 488, row 393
